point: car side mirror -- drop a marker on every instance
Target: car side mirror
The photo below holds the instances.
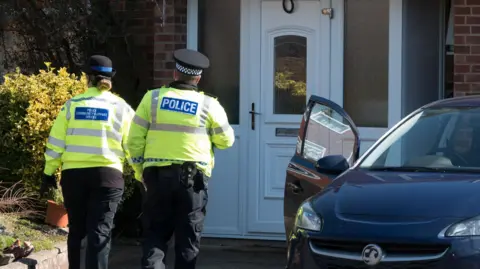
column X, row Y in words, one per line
column 332, row 164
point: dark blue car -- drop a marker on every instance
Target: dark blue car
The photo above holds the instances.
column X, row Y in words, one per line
column 411, row 201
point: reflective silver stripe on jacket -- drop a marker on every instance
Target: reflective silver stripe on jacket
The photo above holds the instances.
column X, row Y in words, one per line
column 179, row 128
column 97, row 133
column 221, row 129
column 56, row 142
column 141, row 122
column 207, row 101
column 94, row 150
column 53, row 154
column 154, row 107
column 67, row 107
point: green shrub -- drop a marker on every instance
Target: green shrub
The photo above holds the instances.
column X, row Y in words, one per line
column 29, row 105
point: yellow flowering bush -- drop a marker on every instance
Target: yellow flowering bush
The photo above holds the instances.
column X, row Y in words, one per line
column 29, row 105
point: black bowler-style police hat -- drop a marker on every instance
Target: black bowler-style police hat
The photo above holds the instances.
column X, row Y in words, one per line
column 190, row 62
column 100, row 65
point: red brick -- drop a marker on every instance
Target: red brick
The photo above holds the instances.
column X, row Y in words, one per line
column 164, row 37
column 462, row 49
column 163, row 74
column 475, row 88
column 462, row 10
column 475, row 68
column 475, row 10
column 460, row 20
column 472, row 59
column 475, row 49
column 140, row 14
column 458, row 93
column 460, row 40
column 461, row 30
column 459, row 78
column 472, row 40
column 473, row 20
column 169, row 47
column 475, row 30
column 461, row 68
column 472, row 78
column 460, row 86
column 460, row 59
column 459, row 2
column 473, row 2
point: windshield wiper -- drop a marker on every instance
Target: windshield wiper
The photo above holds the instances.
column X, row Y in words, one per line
column 408, row 169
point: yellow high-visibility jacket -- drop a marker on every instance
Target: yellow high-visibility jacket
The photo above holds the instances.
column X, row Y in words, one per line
column 177, row 125
column 91, row 130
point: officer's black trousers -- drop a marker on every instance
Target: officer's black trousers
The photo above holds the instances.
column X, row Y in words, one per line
column 91, row 201
column 170, row 208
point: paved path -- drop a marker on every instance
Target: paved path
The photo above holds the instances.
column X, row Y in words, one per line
column 211, row 257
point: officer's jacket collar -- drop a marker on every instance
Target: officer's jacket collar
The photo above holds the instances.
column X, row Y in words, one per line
column 93, row 90
column 181, row 85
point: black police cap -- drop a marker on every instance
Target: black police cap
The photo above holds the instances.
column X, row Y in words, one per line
column 100, row 65
column 190, row 62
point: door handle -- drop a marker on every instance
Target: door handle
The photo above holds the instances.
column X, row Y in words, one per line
column 253, row 113
column 295, row 187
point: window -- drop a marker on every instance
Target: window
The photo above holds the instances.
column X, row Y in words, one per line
column 366, row 62
column 290, row 96
column 219, row 39
column 435, row 138
column 328, row 133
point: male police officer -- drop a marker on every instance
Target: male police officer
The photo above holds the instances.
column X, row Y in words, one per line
column 88, row 139
column 172, row 137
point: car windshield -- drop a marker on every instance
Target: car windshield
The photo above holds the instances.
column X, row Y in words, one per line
column 434, row 139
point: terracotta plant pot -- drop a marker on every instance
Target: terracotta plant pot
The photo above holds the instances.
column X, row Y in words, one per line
column 56, row 215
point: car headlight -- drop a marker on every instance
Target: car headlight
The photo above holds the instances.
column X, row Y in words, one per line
column 470, row 227
column 307, row 218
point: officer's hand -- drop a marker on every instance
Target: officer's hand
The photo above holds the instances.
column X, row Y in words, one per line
column 48, row 182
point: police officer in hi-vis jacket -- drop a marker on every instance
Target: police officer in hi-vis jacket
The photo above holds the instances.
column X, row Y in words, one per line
column 88, row 141
column 171, row 141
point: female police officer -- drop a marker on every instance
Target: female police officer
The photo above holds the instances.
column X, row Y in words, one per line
column 87, row 141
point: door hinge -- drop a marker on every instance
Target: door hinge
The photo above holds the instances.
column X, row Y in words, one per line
column 327, row 12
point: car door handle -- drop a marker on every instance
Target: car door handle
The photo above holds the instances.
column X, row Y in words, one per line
column 295, row 187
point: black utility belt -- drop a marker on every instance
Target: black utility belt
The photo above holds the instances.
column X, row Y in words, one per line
column 182, row 166
column 189, row 175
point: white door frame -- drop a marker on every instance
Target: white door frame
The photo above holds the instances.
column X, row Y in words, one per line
column 250, row 81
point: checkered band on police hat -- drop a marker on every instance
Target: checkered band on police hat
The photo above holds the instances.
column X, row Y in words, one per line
column 188, row 71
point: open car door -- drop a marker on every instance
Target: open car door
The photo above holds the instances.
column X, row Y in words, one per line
column 326, row 129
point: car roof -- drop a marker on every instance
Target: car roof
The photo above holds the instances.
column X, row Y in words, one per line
column 464, row 101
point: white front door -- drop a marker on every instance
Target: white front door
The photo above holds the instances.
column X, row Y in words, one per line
column 293, row 63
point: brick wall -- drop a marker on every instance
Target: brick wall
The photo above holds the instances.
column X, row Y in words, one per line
column 467, row 47
column 167, row 38
column 154, row 40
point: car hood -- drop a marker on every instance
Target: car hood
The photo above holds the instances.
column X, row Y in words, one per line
column 400, row 195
